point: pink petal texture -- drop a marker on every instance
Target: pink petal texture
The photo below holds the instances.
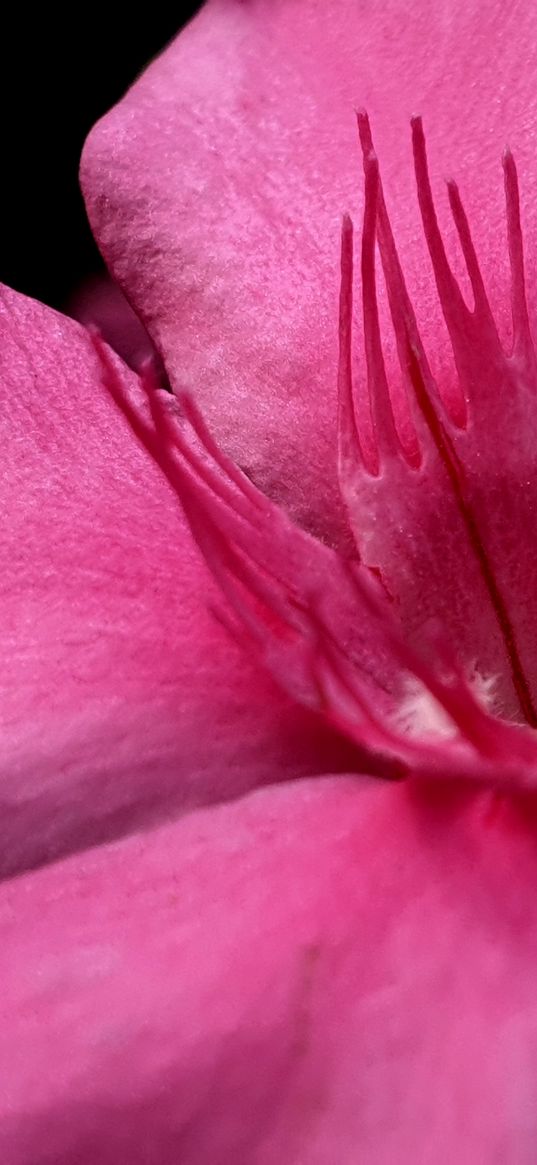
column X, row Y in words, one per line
column 123, row 700
column 332, row 971
column 216, row 186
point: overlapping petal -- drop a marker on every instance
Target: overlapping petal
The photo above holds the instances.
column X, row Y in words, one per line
column 123, row 700
column 216, row 186
column 339, row 970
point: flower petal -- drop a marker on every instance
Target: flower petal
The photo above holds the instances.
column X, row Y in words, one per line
column 330, row 971
column 122, row 699
column 215, row 189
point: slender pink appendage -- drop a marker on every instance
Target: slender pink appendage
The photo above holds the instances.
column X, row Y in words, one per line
column 349, row 440
column 522, row 340
column 281, row 587
column 461, row 323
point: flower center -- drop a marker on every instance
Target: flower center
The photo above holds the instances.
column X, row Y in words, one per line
column 405, row 650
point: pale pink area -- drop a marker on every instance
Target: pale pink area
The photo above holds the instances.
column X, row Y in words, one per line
column 216, row 189
column 123, row 701
column 334, row 971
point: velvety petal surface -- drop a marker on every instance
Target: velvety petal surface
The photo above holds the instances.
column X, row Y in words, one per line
column 217, row 185
column 331, row 971
column 122, row 700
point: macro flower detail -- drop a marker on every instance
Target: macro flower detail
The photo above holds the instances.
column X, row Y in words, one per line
column 412, row 649
column 268, row 788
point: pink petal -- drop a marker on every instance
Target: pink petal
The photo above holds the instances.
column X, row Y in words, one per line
column 216, row 186
column 328, row 972
column 123, row 700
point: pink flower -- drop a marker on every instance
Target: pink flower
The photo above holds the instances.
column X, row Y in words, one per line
column 341, row 967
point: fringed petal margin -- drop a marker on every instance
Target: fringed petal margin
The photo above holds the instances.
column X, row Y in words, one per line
column 446, row 517
column 322, row 625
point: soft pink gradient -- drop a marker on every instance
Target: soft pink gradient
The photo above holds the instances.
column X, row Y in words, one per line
column 329, row 971
column 326, row 972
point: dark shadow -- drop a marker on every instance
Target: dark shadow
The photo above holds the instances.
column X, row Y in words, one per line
column 61, row 72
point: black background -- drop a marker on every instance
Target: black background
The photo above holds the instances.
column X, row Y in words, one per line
column 60, row 73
